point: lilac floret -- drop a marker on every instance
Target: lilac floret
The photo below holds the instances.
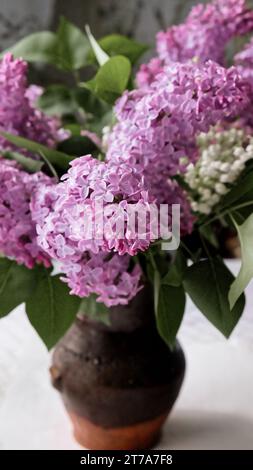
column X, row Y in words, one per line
column 18, row 238
column 18, row 112
column 206, row 32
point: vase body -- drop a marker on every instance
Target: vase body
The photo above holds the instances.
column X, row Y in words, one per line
column 118, row 382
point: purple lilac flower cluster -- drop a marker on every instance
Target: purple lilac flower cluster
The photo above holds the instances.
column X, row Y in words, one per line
column 157, row 127
column 107, row 275
column 92, row 265
column 244, row 64
column 206, row 32
column 69, row 229
column 18, row 238
column 149, row 72
column 203, row 36
column 18, row 114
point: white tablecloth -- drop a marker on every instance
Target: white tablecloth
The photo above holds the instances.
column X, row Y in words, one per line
column 214, row 410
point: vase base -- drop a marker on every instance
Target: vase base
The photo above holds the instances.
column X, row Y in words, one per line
column 136, row 437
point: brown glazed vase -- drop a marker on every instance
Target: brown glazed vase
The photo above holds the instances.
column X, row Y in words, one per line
column 118, row 382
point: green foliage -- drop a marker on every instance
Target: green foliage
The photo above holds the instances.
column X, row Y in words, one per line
column 183, row 184
column 116, row 44
column 170, row 299
column 37, row 47
column 94, row 310
column 29, row 164
column 157, row 285
column 241, row 193
column 66, row 49
column 174, row 276
column 208, row 233
column 97, row 125
column 86, row 100
column 111, row 79
column 170, row 311
column 56, row 158
column 57, row 100
column 208, row 282
column 51, row 309
column 99, row 53
column 72, row 46
column 16, row 285
column 78, row 145
column 245, row 232
column 73, row 128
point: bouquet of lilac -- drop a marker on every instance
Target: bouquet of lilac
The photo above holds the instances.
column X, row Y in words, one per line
column 127, row 179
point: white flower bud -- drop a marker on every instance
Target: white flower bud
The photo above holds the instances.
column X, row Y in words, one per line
column 206, row 193
column 214, row 199
column 229, row 178
column 190, row 168
column 223, row 155
column 249, row 148
column 225, row 167
column 204, row 208
column 238, row 151
column 220, row 188
column 194, row 205
column 215, row 165
column 237, row 165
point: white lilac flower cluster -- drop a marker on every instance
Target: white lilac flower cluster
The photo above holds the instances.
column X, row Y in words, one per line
column 223, row 156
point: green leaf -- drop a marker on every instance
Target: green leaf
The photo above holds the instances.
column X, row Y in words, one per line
column 55, row 157
column 174, row 277
column 16, row 285
column 72, row 46
column 57, row 100
column 182, row 183
column 78, row 146
column 157, row 283
column 111, row 79
column 50, row 166
column 116, row 44
column 37, row 47
column 171, row 306
column 241, row 193
column 30, row 165
column 86, row 100
column 208, row 282
column 51, row 309
column 96, row 125
column 208, row 233
column 99, row 54
column 74, row 129
column 245, row 232
column 67, row 49
column 94, row 310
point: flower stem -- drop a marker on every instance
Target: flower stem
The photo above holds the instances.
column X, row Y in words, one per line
column 227, row 212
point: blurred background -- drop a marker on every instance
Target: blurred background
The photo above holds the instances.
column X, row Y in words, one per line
column 140, row 19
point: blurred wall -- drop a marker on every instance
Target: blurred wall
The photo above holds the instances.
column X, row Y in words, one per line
column 21, row 17
column 137, row 18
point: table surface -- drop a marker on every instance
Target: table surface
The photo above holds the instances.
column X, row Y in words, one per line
column 214, row 409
